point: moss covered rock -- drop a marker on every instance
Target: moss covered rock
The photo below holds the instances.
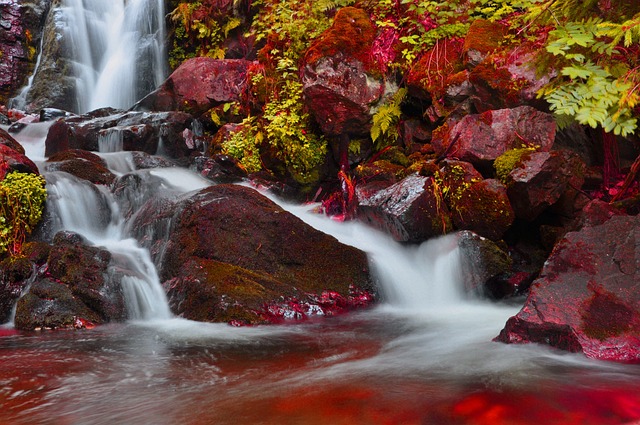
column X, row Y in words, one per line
column 230, row 252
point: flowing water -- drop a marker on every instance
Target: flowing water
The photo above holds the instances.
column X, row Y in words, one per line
column 424, row 356
column 116, row 47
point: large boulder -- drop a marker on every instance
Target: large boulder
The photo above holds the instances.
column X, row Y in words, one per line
column 587, row 298
column 54, row 83
column 340, row 84
column 411, row 210
column 199, row 84
column 228, row 254
column 481, row 138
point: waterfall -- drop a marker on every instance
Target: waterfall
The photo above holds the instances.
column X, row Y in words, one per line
column 422, row 277
column 117, row 49
column 92, row 211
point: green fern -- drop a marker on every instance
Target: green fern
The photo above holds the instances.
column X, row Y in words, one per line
column 593, row 93
column 384, row 129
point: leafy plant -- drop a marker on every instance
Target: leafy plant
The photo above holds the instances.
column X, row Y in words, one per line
column 597, row 87
column 22, row 199
column 201, row 27
column 384, row 129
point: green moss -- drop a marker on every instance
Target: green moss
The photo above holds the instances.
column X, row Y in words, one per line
column 506, row 162
column 22, row 200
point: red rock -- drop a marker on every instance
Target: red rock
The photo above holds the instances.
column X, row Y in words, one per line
column 411, row 210
column 199, row 84
column 484, row 208
column 133, row 131
column 340, row 86
column 481, row 138
column 82, row 164
column 541, row 178
column 233, row 255
column 8, row 140
column 587, row 298
column 11, row 160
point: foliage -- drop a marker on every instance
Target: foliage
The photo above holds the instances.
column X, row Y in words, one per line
column 201, row 27
column 245, row 144
column 384, row 129
column 22, row 199
column 599, row 78
column 283, row 130
column 422, row 23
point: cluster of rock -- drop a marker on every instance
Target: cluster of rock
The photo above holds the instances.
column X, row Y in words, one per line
column 231, row 255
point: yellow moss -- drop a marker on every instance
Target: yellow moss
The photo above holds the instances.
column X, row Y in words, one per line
column 506, row 162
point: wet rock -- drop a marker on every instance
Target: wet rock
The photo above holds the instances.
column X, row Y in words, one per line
column 82, row 164
column 11, row 160
column 484, row 208
column 199, row 84
column 77, row 289
column 540, row 179
column 7, row 139
column 483, row 261
column 340, row 84
column 143, row 161
column 227, row 252
column 587, row 299
column 411, row 210
column 15, row 276
column 161, row 132
column 220, row 169
column 20, row 31
column 54, row 83
column 59, row 138
column 481, row 138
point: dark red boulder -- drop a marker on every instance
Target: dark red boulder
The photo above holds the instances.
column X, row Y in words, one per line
column 587, row 298
column 484, row 208
column 540, row 179
column 230, row 253
column 340, row 83
column 411, row 210
column 12, row 160
column 481, row 138
column 199, row 84
column 82, row 164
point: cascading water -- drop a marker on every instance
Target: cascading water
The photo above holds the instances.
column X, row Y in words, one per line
column 117, row 49
column 117, row 44
column 86, row 209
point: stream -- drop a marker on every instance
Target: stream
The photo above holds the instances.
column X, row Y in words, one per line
column 423, row 356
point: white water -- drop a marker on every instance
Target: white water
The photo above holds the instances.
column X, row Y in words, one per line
column 92, row 211
column 115, row 44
